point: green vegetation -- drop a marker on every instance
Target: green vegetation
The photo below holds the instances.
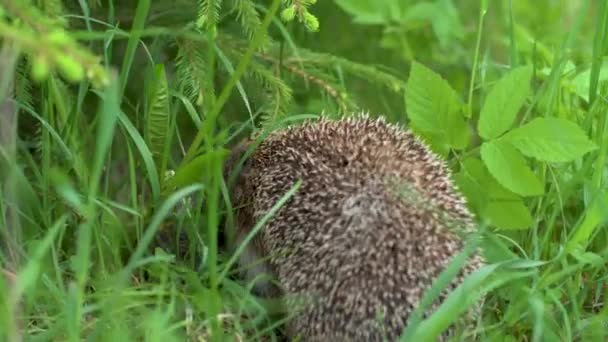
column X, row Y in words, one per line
column 116, row 116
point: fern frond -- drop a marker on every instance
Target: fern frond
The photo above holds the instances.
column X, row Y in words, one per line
column 158, row 119
column 278, row 93
column 52, row 8
column 208, row 13
column 23, row 85
column 191, row 68
column 316, row 67
column 366, row 72
column 247, row 15
column 323, row 79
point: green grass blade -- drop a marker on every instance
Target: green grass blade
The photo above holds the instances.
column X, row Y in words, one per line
column 600, row 47
column 256, row 228
column 431, row 294
column 155, row 223
column 144, row 151
column 106, row 120
column 141, row 13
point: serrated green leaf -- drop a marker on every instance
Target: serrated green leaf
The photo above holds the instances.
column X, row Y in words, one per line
column 457, row 131
column 509, row 168
column 490, row 200
column 508, row 214
column 436, row 143
column 503, row 102
column 429, row 98
column 158, row 119
column 434, row 108
column 475, row 171
column 551, row 140
column 471, row 182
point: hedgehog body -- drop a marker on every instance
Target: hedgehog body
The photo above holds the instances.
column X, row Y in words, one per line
column 367, row 232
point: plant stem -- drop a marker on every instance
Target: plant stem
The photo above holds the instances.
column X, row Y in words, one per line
column 482, row 13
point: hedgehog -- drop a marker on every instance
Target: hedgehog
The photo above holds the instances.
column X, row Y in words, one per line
column 375, row 220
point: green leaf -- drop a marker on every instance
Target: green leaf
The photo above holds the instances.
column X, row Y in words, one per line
column 508, row 214
column 158, row 120
column 551, row 140
column 441, row 14
column 192, row 171
column 457, row 131
column 420, row 12
column 371, row 12
column 434, row 107
column 490, row 200
column 471, row 180
column 509, row 168
column 503, row 102
column 479, row 186
column 588, row 258
column 580, row 83
column 429, row 99
column 446, row 23
column 474, row 170
column 436, row 143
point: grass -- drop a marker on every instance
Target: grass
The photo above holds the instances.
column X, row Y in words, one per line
column 85, row 203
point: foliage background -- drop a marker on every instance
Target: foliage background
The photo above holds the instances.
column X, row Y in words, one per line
column 116, row 118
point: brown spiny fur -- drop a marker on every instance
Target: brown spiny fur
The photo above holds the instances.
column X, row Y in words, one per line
column 350, row 241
